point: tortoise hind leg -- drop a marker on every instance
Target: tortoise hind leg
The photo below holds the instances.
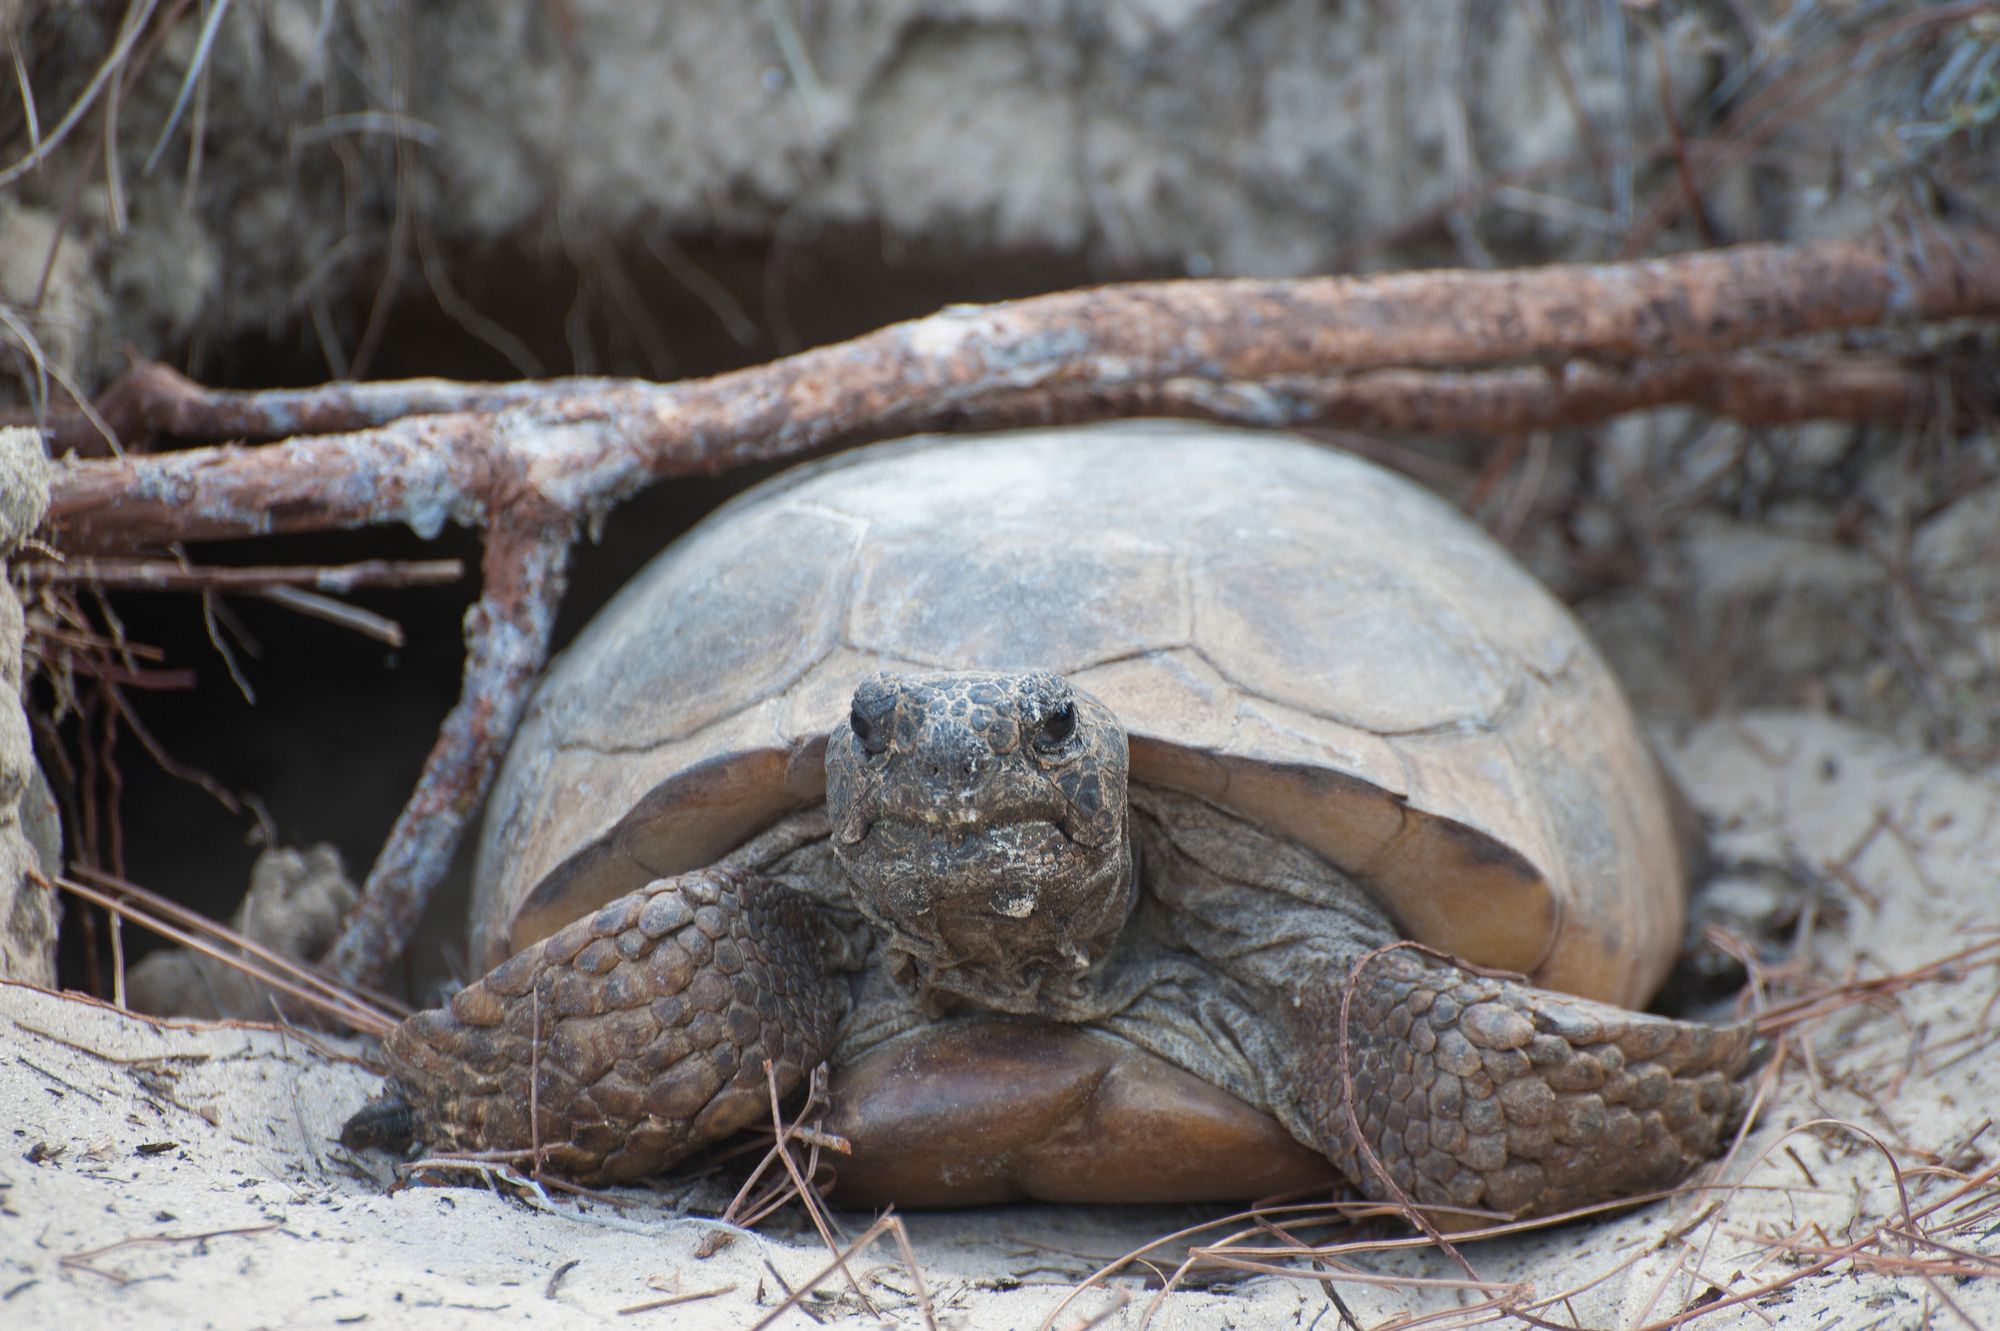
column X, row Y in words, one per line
column 1477, row 1092
column 644, row 1028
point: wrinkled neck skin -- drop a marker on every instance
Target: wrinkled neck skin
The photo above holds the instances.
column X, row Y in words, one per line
column 982, row 820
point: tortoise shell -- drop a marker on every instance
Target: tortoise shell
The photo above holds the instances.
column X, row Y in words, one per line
column 1285, row 630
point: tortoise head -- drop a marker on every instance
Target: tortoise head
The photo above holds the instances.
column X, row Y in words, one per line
column 982, row 818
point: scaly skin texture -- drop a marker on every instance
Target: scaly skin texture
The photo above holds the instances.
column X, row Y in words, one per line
column 1490, row 1095
column 982, row 821
column 984, row 829
column 644, row 1029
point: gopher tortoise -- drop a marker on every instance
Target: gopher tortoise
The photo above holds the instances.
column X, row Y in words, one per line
column 1135, row 813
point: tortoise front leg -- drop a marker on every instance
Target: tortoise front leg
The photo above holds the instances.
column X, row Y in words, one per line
column 644, row 1029
column 1477, row 1092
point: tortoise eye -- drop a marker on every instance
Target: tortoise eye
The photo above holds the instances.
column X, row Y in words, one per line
column 868, row 730
column 1057, row 727
column 873, row 712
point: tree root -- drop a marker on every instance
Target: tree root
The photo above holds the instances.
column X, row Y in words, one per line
column 534, row 462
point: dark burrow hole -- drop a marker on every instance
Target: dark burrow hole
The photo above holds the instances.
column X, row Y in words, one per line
column 341, row 723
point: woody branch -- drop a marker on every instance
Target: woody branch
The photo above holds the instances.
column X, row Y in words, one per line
column 1419, row 352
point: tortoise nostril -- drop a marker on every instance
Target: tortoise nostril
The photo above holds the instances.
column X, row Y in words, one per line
column 1056, row 728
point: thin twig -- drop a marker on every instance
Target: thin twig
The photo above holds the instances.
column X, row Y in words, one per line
column 365, row 622
column 674, row 1300
column 290, row 976
column 167, row 575
column 81, row 1261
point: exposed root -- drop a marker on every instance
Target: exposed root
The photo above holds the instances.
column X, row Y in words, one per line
column 534, row 462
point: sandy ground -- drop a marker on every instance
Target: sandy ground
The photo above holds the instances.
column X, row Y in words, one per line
column 183, row 1175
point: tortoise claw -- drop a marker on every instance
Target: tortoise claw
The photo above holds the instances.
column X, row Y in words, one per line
column 385, row 1123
